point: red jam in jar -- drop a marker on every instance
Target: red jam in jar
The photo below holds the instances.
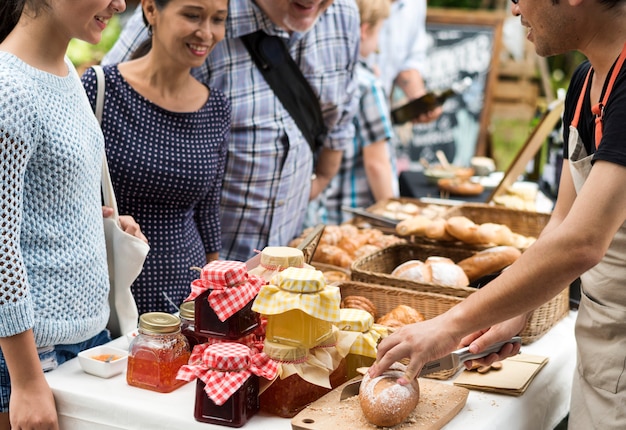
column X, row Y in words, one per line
column 157, row 353
column 240, row 324
column 187, row 325
column 228, row 360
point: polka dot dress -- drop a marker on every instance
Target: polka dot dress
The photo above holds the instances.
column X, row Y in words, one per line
column 167, row 170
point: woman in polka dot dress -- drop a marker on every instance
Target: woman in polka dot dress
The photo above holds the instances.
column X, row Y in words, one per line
column 165, row 135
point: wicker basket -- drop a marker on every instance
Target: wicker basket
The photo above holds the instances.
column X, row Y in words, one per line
column 387, row 298
column 527, row 223
column 376, row 269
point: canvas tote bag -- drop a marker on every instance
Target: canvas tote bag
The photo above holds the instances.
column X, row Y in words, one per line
column 125, row 253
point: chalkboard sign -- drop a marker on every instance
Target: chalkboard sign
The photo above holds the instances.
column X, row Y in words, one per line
column 461, row 44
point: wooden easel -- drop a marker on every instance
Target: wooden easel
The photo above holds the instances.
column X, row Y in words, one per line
column 538, row 136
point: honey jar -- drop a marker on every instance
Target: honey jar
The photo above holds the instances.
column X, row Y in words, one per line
column 299, row 307
column 367, row 335
column 227, row 385
column 275, row 259
column 157, row 353
column 223, row 298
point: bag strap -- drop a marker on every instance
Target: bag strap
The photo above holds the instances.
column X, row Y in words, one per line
column 108, row 194
column 289, row 84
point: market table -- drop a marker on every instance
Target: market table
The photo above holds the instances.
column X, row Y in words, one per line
column 86, row 402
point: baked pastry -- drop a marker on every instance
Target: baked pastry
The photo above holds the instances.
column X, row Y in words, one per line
column 333, row 255
column 413, row 270
column 489, row 261
column 335, row 276
column 400, row 316
column 386, row 403
column 460, row 186
column 359, row 302
column 436, row 230
column 413, row 226
column 464, row 229
column 498, row 234
column 446, row 273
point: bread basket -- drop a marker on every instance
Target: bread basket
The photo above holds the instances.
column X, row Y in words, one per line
column 376, row 269
column 387, row 298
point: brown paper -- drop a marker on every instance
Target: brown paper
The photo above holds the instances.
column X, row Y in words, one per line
column 513, row 379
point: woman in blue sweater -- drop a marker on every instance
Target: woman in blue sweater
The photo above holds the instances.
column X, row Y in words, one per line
column 53, row 267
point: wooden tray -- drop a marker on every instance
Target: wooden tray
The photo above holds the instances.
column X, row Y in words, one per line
column 439, row 404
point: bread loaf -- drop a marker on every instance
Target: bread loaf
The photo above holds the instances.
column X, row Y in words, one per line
column 413, row 226
column 386, row 403
column 498, row 234
column 400, row 316
column 331, row 254
column 436, row 230
column 489, row 261
column 446, row 273
column 464, row 229
column 413, row 270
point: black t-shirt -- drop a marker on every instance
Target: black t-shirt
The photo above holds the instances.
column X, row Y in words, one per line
column 613, row 144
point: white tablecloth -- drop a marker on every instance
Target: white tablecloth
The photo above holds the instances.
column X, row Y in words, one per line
column 87, row 402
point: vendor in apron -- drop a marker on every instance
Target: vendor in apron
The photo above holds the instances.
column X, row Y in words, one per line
column 586, row 234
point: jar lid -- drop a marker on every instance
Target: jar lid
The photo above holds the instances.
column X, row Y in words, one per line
column 298, row 280
column 281, row 257
column 227, row 356
column 188, row 310
column 159, row 322
column 280, row 352
column 355, row 320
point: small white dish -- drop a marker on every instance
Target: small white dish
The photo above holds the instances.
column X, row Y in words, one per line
column 103, row 361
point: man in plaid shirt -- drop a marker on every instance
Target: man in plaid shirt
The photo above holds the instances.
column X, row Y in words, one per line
column 268, row 181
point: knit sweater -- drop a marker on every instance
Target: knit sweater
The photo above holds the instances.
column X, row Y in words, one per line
column 53, row 270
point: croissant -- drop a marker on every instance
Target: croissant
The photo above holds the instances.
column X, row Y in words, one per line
column 359, row 302
column 401, row 315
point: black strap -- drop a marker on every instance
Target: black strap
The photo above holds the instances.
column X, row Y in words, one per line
column 286, row 80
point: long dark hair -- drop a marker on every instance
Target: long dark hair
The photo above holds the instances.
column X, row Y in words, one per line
column 146, row 45
column 11, row 11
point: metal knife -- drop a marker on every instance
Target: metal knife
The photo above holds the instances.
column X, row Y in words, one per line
column 450, row 361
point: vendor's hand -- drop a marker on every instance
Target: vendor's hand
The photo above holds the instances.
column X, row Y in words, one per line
column 421, row 342
column 127, row 223
column 480, row 340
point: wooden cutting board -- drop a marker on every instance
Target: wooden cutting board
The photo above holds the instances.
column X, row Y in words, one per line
column 438, row 404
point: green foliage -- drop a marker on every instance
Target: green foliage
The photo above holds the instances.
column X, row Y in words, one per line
column 83, row 53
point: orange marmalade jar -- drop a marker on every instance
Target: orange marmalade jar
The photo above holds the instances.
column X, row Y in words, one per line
column 157, row 352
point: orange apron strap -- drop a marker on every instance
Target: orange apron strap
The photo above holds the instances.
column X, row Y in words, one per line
column 581, row 97
column 598, row 109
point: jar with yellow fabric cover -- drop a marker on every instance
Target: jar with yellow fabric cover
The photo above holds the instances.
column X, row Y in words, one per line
column 300, row 308
column 368, row 334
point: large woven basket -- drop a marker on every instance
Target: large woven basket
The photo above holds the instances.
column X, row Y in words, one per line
column 527, row 223
column 376, row 269
column 387, row 298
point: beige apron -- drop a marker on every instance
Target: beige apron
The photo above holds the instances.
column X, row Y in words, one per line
column 599, row 388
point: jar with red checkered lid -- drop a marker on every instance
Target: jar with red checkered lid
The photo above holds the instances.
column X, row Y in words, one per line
column 227, row 381
column 223, row 298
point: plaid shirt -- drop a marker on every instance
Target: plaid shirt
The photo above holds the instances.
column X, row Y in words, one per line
column 268, row 172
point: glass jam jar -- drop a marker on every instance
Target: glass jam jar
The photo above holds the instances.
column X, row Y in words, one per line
column 300, row 308
column 157, row 352
column 224, row 296
column 243, row 403
column 277, row 258
column 367, row 335
column 285, row 397
column 187, row 317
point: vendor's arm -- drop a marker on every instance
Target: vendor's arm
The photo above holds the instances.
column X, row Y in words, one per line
column 378, row 170
column 32, row 403
column 535, row 278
